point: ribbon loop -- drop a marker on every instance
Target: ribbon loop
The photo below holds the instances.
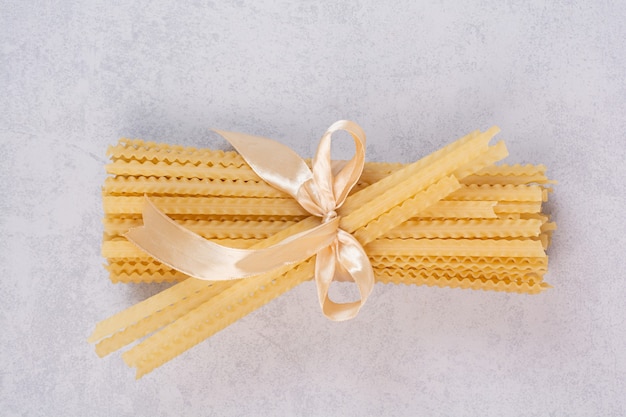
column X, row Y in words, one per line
column 340, row 257
column 332, row 182
column 347, row 261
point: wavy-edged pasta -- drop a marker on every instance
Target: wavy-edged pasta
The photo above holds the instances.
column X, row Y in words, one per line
column 452, row 219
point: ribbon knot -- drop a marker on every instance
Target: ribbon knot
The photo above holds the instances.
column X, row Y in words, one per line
column 330, row 216
column 320, row 191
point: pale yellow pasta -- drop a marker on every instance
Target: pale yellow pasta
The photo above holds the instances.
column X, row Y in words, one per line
column 512, row 170
column 157, row 349
column 179, row 292
column 155, row 185
column 142, row 269
column 158, row 186
column 155, row 320
column 210, row 229
column 460, row 210
column 493, row 154
column 466, row 228
column 206, row 206
column 130, row 206
column 177, row 170
column 152, row 271
column 504, row 207
column 136, row 151
column 397, row 216
column 434, row 228
column 225, row 308
column 394, row 217
column 520, row 193
column 139, row 150
column 488, row 234
column 122, row 248
column 148, row 265
column 133, row 186
column 403, row 276
column 455, row 155
column 521, row 248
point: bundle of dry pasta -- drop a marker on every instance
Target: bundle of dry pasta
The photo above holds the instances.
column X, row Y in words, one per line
column 452, row 219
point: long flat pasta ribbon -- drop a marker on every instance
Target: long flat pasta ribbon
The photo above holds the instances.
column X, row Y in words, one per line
column 320, row 191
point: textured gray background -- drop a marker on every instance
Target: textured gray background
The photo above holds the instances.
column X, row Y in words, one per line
column 75, row 76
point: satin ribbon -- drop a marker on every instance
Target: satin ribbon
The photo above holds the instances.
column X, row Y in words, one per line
column 320, row 191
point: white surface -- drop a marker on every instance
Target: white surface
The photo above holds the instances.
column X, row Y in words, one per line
column 75, row 76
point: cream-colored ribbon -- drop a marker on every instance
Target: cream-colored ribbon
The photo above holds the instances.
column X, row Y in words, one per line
column 320, row 191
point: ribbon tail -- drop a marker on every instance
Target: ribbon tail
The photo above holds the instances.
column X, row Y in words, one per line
column 274, row 162
column 187, row 252
column 344, row 260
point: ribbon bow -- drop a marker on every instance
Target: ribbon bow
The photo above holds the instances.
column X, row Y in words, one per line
column 321, row 192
